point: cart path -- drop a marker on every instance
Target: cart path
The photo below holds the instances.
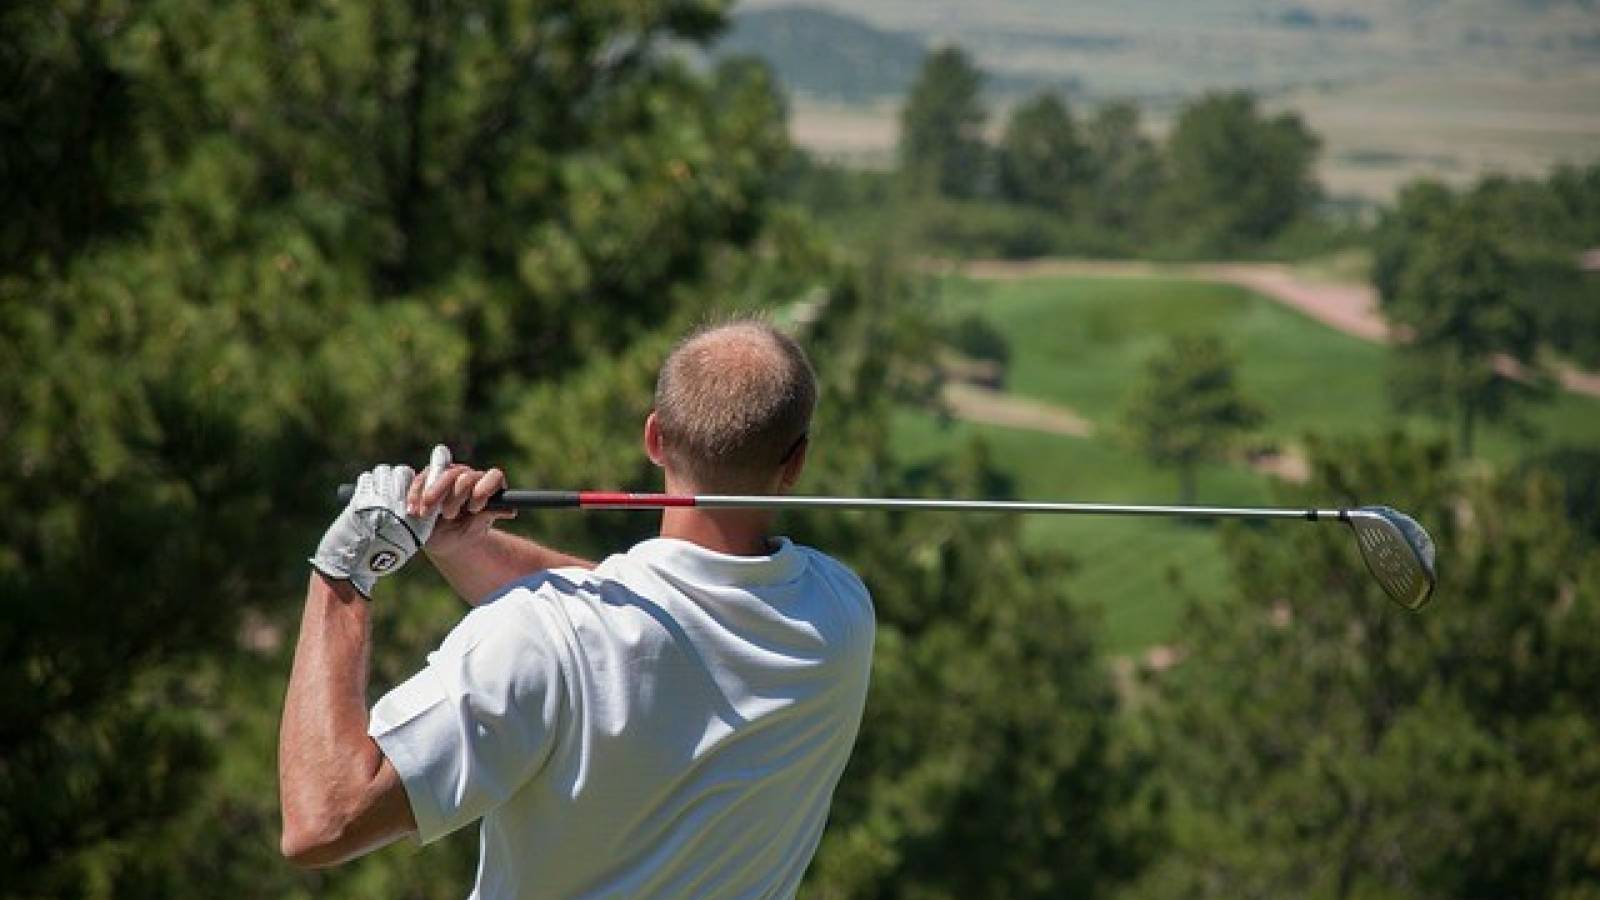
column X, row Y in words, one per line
column 1351, row 308
column 987, row 406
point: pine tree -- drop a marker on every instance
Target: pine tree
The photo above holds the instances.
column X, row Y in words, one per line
column 1453, row 287
column 1042, row 160
column 1188, row 408
column 1125, row 168
column 1238, row 177
column 941, row 126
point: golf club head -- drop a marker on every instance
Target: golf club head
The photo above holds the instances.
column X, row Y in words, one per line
column 1398, row 552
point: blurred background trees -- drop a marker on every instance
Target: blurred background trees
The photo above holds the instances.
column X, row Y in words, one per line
column 1487, row 288
column 942, row 147
column 1314, row 743
column 1228, row 179
column 1188, row 409
column 1238, row 178
column 1127, row 172
column 290, row 239
column 293, row 240
column 1454, row 297
column 1042, row 159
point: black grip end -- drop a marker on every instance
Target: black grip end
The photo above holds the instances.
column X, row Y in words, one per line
column 503, row 499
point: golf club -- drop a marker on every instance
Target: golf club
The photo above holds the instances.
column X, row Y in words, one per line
column 1397, row 550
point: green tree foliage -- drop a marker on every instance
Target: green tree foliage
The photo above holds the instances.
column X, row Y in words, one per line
column 1188, row 408
column 1042, row 160
column 977, row 337
column 1447, row 277
column 63, row 138
column 250, row 247
column 1562, row 209
column 1126, row 168
column 1238, row 177
column 942, row 149
column 1229, row 180
column 961, row 785
column 1577, row 470
column 1542, row 225
column 1316, row 741
column 1420, row 206
column 290, row 238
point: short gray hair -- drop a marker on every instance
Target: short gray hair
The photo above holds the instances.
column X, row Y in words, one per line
column 734, row 402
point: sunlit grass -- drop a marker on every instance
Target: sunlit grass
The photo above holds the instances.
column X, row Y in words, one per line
column 1082, row 342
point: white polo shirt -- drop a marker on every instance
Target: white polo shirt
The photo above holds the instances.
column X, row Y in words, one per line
column 671, row 724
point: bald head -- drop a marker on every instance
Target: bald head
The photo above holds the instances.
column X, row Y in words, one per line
column 733, row 403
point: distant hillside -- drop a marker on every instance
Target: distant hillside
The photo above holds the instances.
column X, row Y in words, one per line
column 832, row 56
column 1163, row 51
column 1397, row 89
column 826, row 55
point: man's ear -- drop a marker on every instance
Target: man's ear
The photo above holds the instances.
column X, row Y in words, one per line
column 652, row 441
column 793, row 466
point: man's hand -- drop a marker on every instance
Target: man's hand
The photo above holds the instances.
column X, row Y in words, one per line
column 456, row 498
column 477, row 559
column 374, row 536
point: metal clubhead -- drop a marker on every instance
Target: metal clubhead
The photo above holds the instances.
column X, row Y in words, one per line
column 1398, row 552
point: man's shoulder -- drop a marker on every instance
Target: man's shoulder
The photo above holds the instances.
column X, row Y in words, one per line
column 853, row 600
column 520, row 602
column 830, row 567
column 557, row 581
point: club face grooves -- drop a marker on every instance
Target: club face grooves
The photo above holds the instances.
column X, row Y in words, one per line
column 1398, row 552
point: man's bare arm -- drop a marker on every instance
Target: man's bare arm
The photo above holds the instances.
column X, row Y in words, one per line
column 340, row 796
column 496, row 559
column 474, row 558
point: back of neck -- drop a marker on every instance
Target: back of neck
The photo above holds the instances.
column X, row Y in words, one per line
column 737, row 532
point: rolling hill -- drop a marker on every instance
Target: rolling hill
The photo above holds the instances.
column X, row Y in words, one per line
column 823, row 54
column 1397, row 88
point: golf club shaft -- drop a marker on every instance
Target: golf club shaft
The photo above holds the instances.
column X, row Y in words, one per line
column 513, row 498
column 610, row 500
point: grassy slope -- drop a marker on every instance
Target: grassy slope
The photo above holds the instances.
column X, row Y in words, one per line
column 1124, row 565
column 1081, row 343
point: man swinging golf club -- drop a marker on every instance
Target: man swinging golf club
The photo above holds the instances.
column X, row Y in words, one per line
column 670, row 722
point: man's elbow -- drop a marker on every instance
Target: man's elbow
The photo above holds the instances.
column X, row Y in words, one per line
column 315, row 844
column 329, row 822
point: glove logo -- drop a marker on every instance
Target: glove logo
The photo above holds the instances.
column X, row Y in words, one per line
column 383, row 561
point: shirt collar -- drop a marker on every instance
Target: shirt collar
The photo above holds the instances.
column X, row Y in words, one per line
column 710, row 567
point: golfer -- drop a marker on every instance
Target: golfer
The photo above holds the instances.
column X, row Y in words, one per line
column 668, row 723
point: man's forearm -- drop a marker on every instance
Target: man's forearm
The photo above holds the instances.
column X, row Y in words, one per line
column 478, row 569
column 327, row 765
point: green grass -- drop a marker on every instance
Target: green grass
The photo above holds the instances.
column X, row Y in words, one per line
column 1126, row 567
column 1082, row 342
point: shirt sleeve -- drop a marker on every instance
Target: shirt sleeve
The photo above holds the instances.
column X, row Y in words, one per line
column 477, row 722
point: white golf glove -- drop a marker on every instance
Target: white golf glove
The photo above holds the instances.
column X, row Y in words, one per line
column 374, row 536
